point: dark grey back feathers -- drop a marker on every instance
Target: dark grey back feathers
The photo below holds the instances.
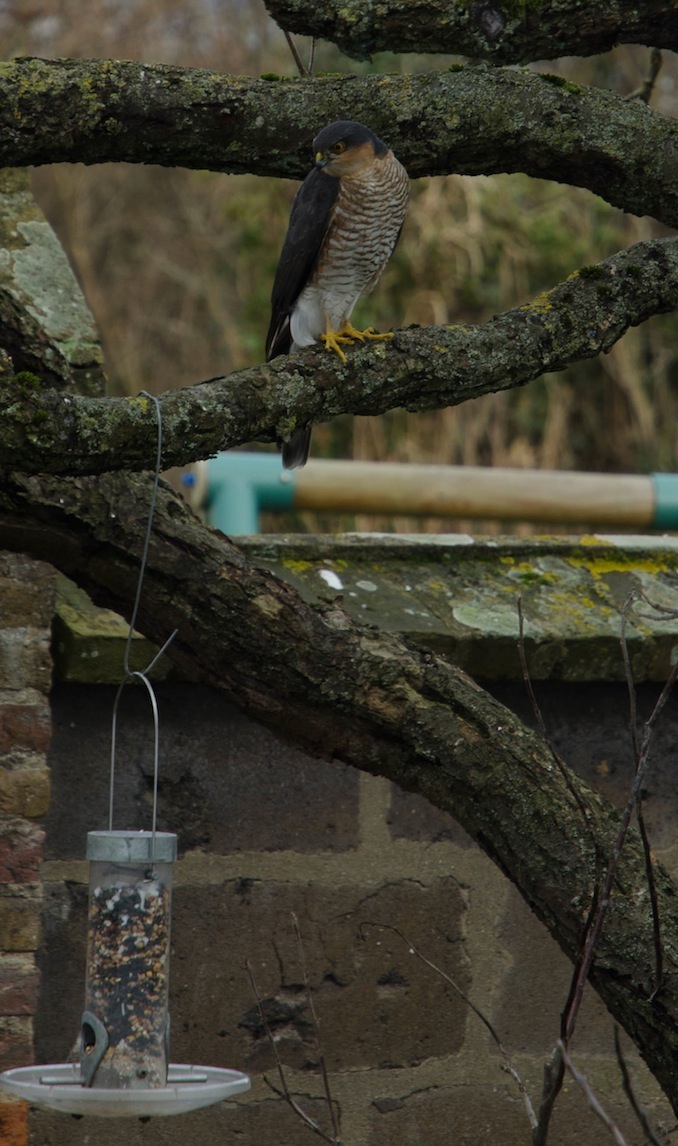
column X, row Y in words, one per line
column 309, row 218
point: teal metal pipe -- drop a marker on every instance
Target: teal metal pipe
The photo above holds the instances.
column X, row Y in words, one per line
column 240, row 485
column 665, row 491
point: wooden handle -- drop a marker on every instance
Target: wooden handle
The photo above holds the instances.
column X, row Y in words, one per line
column 476, row 491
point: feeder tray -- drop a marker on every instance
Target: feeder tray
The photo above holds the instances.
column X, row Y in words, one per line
column 59, row 1087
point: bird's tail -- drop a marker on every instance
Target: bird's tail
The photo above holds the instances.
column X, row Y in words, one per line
column 295, row 452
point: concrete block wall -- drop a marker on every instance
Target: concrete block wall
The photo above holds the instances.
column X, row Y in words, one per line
column 266, row 833
column 27, row 592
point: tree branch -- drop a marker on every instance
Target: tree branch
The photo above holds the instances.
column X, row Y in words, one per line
column 43, row 431
column 469, row 120
column 503, row 33
column 382, row 706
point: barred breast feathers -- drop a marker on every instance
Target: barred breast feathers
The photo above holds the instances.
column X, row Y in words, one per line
column 365, row 224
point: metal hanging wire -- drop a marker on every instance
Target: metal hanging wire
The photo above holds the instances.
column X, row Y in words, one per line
column 142, row 674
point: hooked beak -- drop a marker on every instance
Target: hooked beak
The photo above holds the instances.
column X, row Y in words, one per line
column 320, row 159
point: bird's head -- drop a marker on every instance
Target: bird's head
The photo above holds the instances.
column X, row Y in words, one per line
column 346, row 148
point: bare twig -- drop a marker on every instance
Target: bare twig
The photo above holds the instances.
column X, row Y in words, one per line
column 633, row 723
column 508, row 1065
column 638, row 750
column 554, row 1074
column 283, row 1091
column 628, row 673
column 591, row 1097
column 311, row 57
column 303, row 71
column 637, row 1109
column 644, row 92
column 597, row 916
column 631, row 803
column 316, row 1028
column 554, row 1069
column 664, row 1135
column 654, row 905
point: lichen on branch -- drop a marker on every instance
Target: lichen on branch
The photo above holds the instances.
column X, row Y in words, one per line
column 471, row 120
column 43, row 431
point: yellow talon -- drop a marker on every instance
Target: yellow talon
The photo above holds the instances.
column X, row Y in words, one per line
column 347, row 335
column 369, row 332
column 332, row 339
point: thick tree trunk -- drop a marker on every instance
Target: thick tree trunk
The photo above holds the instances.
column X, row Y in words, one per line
column 342, row 692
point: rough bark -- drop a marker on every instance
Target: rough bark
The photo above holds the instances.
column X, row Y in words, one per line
column 468, row 120
column 505, row 32
column 44, row 322
column 43, row 431
column 347, row 693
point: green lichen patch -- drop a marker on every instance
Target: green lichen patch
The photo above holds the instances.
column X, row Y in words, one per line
column 89, row 642
column 46, row 281
column 459, row 597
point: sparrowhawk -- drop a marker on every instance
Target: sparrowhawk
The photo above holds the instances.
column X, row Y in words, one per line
column 344, row 224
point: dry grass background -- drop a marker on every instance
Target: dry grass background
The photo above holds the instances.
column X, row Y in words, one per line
column 177, row 265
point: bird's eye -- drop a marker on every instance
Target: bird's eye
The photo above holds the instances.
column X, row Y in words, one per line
column 337, row 148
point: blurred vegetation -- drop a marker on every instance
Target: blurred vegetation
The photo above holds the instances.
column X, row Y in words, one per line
column 177, row 265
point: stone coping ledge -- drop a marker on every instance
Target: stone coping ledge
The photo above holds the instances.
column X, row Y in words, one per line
column 454, row 594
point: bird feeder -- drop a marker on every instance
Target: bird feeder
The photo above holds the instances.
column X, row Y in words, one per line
column 125, row 1024
column 123, row 1066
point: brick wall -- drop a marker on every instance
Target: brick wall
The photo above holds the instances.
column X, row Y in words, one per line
column 27, row 590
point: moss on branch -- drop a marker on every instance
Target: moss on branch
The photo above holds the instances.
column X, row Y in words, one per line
column 421, row 369
column 503, row 32
column 470, row 120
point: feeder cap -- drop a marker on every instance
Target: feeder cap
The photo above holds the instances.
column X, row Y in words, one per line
column 132, row 847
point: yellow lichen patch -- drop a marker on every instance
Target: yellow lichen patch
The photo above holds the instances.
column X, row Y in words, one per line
column 297, row 565
column 541, row 303
column 599, row 566
column 338, row 563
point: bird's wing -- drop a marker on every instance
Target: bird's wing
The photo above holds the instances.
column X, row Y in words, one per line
column 309, row 219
